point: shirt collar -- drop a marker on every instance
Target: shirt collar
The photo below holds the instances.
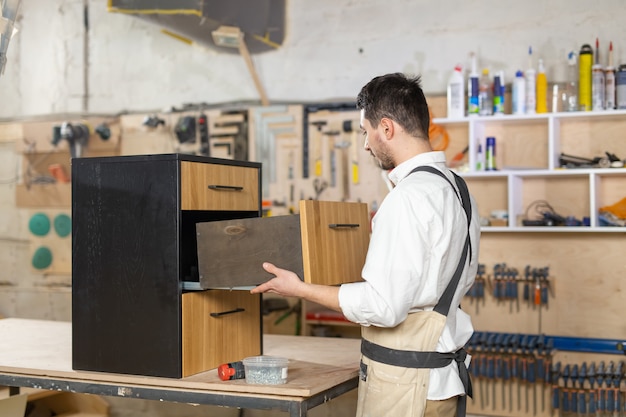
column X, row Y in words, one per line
column 428, row 158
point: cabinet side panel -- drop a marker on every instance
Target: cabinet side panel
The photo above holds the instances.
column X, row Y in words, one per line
column 125, row 302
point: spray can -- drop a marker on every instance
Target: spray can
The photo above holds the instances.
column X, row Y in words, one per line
column 585, row 62
column 609, row 82
column 456, row 94
column 597, row 87
column 519, row 93
column 498, row 95
column 542, row 88
column 597, row 81
column 490, row 154
column 620, row 87
column 472, row 89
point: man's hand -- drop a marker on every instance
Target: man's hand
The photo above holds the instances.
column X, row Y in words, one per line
column 286, row 283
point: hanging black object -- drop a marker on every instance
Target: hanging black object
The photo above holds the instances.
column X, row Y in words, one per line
column 185, row 129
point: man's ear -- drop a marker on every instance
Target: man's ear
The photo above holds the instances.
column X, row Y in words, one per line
column 387, row 126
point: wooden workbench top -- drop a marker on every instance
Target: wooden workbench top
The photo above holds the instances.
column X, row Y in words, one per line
column 43, row 349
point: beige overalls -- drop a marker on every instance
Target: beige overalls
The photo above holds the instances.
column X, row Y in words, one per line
column 396, row 362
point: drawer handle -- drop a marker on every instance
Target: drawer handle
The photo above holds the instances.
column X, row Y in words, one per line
column 343, row 225
column 225, row 188
column 223, row 313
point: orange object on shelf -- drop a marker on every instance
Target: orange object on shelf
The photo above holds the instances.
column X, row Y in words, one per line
column 58, row 172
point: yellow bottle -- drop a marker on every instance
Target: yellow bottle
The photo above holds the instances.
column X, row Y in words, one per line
column 542, row 89
column 585, row 62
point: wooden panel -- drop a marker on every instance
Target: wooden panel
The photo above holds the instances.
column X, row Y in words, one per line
column 230, row 252
column 43, row 195
column 235, row 188
column 333, row 255
column 215, row 332
column 519, row 144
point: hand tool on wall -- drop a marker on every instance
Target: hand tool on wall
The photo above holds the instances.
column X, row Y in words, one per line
column 617, row 382
column 343, row 146
column 332, row 156
column 582, row 395
column 555, row 373
column 565, row 398
column 574, row 392
column 532, row 371
column 484, row 400
column 610, row 393
column 600, row 401
column 515, row 370
column 317, row 147
column 497, row 371
column 591, row 379
column 349, row 126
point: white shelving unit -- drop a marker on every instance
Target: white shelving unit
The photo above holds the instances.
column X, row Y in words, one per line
column 527, row 160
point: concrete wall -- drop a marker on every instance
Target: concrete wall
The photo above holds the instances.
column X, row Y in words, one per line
column 331, row 49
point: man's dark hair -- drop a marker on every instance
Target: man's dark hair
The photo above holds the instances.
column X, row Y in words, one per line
column 399, row 98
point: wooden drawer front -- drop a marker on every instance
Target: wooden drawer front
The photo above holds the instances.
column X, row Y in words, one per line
column 219, row 326
column 219, row 187
column 231, row 252
column 335, row 237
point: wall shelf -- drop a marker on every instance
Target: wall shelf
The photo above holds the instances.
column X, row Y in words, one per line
column 527, row 154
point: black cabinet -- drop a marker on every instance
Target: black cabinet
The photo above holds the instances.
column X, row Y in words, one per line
column 134, row 244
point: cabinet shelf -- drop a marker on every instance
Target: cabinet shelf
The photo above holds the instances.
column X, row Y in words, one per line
column 527, row 154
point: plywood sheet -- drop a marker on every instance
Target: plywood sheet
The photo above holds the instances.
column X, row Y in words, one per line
column 42, row 348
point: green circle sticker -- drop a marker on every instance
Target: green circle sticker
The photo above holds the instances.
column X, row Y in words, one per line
column 63, row 225
column 39, row 224
column 42, row 258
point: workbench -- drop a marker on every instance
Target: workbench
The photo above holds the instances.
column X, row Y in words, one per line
column 37, row 353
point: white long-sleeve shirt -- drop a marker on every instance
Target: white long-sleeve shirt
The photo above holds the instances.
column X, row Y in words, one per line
column 418, row 234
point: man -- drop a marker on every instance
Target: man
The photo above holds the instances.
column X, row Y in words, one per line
column 421, row 245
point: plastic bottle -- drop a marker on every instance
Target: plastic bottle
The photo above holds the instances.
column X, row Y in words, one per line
column 519, row 93
column 480, row 158
column 620, row 87
column 456, row 94
column 542, row 88
column 485, row 94
column 498, row 94
column 597, row 87
column 570, row 96
column 490, row 154
column 585, row 62
column 531, row 85
column 609, row 82
column 597, row 81
column 472, row 88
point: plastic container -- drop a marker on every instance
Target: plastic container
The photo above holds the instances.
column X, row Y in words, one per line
column 498, row 94
column 542, row 88
column 485, row 94
column 585, row 62
column 266, row 370
column 570, row 95
column 531, row 93
column 597, row 87
column 519, row 93
column 620, row 87
column 472, row 88
column 456, row 94
column 490, row 154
